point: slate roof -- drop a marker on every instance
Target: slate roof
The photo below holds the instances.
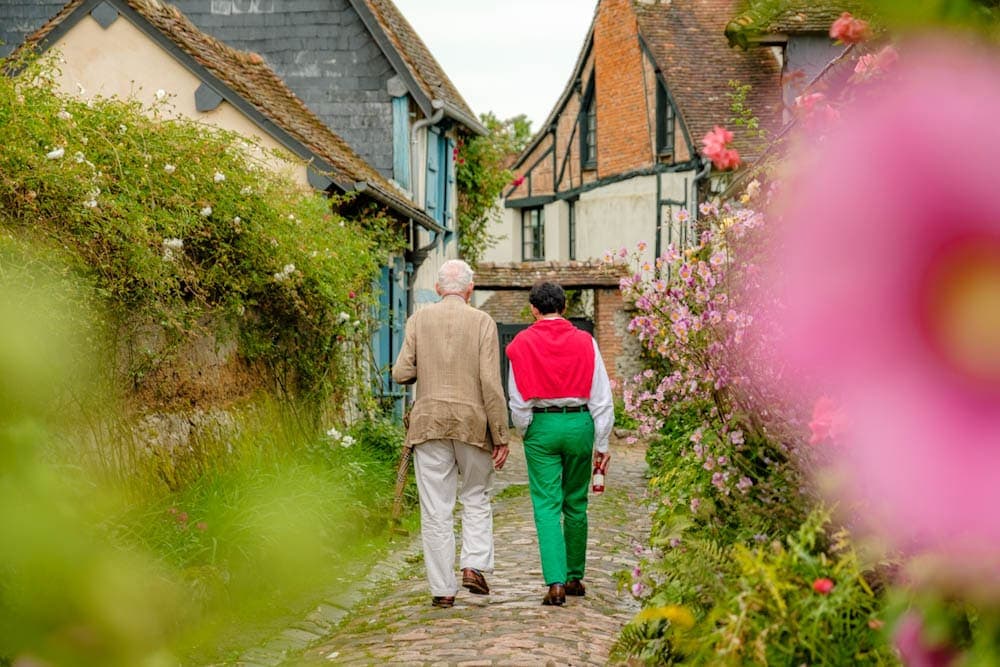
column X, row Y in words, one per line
column 688, row 44
column 420, row 63
column 247, row 76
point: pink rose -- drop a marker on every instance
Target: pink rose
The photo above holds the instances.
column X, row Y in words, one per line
column 849, row 30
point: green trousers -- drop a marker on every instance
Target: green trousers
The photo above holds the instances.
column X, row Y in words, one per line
column 558, row 449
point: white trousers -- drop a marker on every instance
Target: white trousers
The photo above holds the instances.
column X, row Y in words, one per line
column 437, row 465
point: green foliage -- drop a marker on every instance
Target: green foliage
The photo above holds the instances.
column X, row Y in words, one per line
column 177, row 224
column 622, row 418
column 262, row 518
column 743, row 115
column 743, row 566
column 481, row 175
column 774, row 616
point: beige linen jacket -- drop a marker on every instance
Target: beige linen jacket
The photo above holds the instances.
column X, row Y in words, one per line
column 451, row 351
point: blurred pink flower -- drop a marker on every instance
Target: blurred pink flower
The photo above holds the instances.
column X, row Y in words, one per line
column 517, row 181
column 872, row 65
column 827, row 421
column 889, row 279
column 915, row 650
column 849, row 30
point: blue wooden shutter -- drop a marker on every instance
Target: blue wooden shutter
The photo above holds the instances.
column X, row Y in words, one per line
column 433, row 189
column 401, row 140
column 383, row 335
column 449, row 186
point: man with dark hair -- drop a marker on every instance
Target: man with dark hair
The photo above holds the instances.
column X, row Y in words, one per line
column 560, row 398
column 458, row 427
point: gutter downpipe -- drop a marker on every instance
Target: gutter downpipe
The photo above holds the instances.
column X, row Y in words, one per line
column 416, row 256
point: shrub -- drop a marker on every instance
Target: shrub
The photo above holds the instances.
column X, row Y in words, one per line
column 178, row 225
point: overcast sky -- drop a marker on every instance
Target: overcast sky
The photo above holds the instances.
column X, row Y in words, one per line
column 508, row 57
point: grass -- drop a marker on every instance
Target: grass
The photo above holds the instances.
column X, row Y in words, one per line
column 116, row 556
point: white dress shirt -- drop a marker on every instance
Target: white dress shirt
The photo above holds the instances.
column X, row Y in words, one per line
column 600, row 404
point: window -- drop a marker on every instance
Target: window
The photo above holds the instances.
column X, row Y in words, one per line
column 572, row 229
column 532, row 234
column 664, row 122
column 588, row 129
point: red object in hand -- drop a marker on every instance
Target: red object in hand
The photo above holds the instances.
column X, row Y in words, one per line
column 600, row 468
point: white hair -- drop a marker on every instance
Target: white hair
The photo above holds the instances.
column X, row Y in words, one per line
column 454, row 276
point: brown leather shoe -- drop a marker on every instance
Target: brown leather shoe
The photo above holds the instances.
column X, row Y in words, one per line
column 443, row 602
column 475, row 581
column 556, row 596
column 575, row 587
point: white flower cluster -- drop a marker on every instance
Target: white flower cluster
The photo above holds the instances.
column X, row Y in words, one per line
column 169, row 246
column 285, row 273
column 343, row 317
column 219, row 177
column 92, row 202
column 339, row 438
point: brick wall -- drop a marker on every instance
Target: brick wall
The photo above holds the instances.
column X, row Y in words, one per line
column 623, row 134
column 611, row 337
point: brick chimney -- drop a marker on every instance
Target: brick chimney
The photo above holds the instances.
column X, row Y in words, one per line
column 623, row 134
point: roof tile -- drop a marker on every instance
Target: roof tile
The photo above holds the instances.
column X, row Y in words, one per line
column 422, row 65
column 689, row 45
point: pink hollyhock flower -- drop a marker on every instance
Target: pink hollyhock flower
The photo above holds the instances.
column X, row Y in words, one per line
column 715, row 148
column 889, row 280
column 849, row 30
column 517, row 181
column 915, row 650
column 823, row 586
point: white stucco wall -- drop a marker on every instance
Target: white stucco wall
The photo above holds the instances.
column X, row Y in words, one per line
column 609, row 217
column 122, row 61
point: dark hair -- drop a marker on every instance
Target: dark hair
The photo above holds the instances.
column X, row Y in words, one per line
column 548, row 298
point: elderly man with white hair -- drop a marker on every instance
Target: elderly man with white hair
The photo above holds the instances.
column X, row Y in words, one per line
column 458, row 427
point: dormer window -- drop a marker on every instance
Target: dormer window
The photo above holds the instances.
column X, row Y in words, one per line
column 588, row 128
column 664, row 122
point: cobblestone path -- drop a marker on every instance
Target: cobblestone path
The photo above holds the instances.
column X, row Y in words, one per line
column 395, row 623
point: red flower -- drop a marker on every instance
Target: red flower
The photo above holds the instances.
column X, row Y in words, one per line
column 182, row 517
column 849, row 30
column 202, row 526
column 351, row 294
column 517, row 181
column 823, row 586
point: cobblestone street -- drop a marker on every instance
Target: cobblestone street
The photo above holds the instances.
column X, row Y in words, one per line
column 393, row 621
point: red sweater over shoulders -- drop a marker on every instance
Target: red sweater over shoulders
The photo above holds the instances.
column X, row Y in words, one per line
column 552, row 359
